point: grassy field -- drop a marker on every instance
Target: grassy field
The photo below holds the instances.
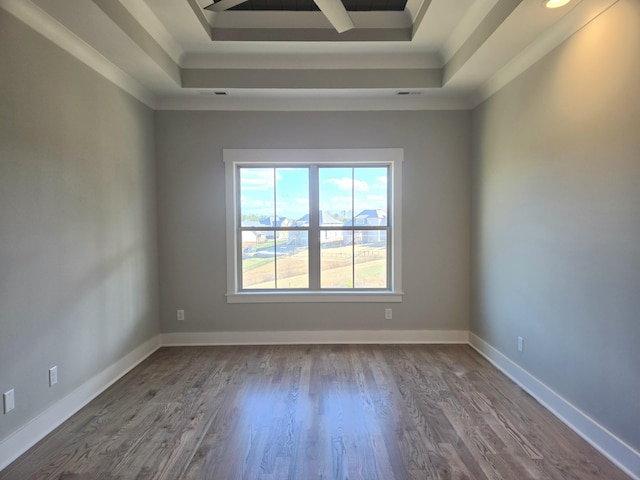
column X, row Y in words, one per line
column 370, row 269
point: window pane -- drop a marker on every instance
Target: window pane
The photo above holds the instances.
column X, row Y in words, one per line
column 336, row 187
column 256, row 196
column 370, row 253
column 336, row 259
column 258, row 259
column 292, row 196
column 370, row 196
column 276, row 225
column 292, row 259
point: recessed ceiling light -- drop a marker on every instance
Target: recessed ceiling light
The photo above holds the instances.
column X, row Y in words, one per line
column 556, row 3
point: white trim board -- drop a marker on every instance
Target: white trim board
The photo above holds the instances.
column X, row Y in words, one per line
column 315, row 337
column 621, row 454
column 616, row 450
column 37, row 428
column 35, row 17
column 38, row 20
column 43, row 424
column 579, row 17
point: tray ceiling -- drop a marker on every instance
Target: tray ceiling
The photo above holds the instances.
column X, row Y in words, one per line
column 283, row 54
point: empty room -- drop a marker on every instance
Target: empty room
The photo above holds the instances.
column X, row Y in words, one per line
column 320, row 239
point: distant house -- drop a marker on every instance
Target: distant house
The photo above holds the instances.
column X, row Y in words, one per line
column 371, row 218
column 327, row 237
column 367, row 218
column 252, row 238
column 275, row 221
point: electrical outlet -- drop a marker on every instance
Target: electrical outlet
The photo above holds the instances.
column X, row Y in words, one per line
column 520, row 344
column 53, row 376
column 388, row 314
column 9, row 401
column 180, row 315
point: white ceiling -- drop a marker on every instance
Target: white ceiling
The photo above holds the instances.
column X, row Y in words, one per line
column 454, row 53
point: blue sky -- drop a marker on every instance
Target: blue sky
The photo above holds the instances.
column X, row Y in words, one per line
column 368, row 185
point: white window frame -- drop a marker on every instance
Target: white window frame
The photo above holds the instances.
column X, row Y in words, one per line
column 393, row 157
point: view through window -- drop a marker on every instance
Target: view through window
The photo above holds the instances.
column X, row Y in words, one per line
column 314, row 227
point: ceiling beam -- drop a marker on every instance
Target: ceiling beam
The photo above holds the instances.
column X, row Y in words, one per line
column 311, row 35
column 312, row 79
column 496, row 16
column 202, row 18
column 40, row 21
column 136, row 32
column 420, row 16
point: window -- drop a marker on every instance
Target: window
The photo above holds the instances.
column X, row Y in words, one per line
column 313, row 225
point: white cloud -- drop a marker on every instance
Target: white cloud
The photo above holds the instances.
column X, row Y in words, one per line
column 256, row 179
column 381, row 182
column 257, row 204
column 377, row 199
column 345, row 183
column 340, row 201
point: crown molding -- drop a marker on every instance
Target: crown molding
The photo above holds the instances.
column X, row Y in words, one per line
column 393, row 102
column 150, row 22
column 320, row 79
column 51, row 29
column 437, row 99
column 579, row 17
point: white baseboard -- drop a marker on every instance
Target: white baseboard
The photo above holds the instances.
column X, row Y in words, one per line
column 624, row 456
column 315, row 337
column 37, row 428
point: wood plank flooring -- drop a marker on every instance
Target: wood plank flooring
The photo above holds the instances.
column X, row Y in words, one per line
column 313, row 412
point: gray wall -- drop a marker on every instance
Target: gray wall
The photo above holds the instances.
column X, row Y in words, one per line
column 78, row 257
column 191, row 221
column 557, row 220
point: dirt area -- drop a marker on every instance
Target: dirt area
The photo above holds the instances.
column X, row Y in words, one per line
column 370, row 269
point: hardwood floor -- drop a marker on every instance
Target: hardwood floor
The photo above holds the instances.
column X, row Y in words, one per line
column 313, row 412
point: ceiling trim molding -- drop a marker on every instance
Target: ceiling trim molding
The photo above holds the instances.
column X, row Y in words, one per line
column 327, row 82
column 311, row 35
column 246, row 26
column 136, row 32
column 327, row 79
column 496, row 16
column 337, row 104
column 55, row 32
column 202, row 18
column 152, row 24
column 474, row 16
column 579, row 17
column 259, row 61
column 278, row 19
column 422, row 11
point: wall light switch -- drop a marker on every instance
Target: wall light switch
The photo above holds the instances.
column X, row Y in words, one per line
column 180, row 315
column 53, row 376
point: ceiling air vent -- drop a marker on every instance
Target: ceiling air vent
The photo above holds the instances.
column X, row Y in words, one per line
column 211, row 93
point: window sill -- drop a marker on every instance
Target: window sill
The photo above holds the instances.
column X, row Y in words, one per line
column 319, row 297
